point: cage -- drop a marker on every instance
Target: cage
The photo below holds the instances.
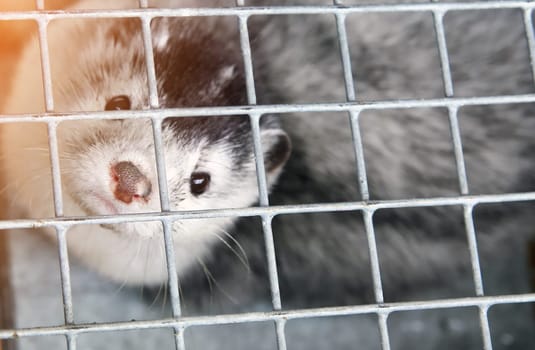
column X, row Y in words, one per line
column 74, row 308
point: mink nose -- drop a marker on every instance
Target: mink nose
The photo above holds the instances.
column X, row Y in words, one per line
column 130, row 182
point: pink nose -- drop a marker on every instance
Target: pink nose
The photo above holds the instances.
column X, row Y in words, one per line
column 130, row 183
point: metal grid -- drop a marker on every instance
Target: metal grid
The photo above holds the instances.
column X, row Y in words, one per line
column 178, row 323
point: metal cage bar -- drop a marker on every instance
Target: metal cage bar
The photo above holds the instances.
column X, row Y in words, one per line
column 528, row 22
column 261, row 177
column 438, row 17
column 271, row 210
column 482, row 302
column 361, row 175
column 66, row 289
column 351, row 97
column 150, row 13
column 167, row 225
column 458, row 149
column 163, row 113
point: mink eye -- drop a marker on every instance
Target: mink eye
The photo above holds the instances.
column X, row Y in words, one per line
column 199, row 183
column 121, row 102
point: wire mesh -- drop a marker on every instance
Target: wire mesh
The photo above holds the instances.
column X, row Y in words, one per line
column 266, row 212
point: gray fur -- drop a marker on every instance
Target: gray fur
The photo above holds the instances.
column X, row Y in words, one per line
column 323, row 258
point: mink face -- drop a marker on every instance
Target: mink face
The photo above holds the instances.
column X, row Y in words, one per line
column 108, row 166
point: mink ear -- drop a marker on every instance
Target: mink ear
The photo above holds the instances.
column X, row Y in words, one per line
column 277, row 148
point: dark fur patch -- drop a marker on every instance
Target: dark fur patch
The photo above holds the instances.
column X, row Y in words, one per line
column 190, row 64
column 187, row 69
